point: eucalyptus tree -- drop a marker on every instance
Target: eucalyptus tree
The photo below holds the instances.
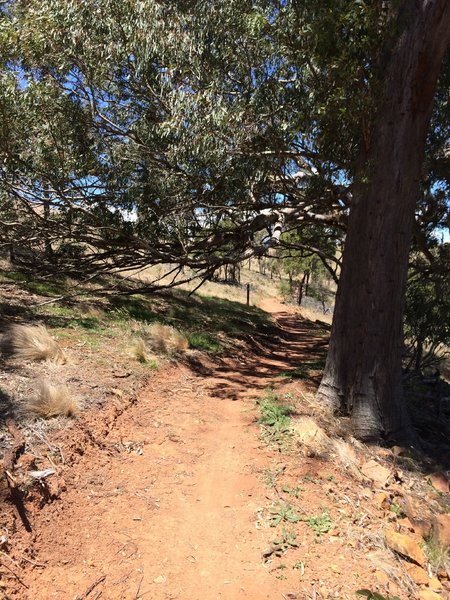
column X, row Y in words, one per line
column 363, row 368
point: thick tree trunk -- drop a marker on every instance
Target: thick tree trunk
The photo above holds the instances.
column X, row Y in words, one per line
column 363, row 370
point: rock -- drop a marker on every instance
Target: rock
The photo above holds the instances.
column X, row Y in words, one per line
column 429, row 595
column 56, row 486
column 383, row 452
column 416, row 509
column 382, row 500
column 417, row 574
column 441, row 528
column 382, row 578
column 160, row 579
column 27, row 462
column 117, row 392
column 434, row 584
column 406, row 546
column 423, row 528
column 399, row 451
column 376, row 472
column 310, row 434
column 440, row 482
column 406, row 524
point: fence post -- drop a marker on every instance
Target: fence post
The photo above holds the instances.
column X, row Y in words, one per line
column 248, row 294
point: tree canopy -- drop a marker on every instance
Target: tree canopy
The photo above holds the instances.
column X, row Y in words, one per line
column 162, row 133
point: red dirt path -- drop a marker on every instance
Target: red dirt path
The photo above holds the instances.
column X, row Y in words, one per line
column 167, row 501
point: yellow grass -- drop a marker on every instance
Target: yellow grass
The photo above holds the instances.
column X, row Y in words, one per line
column 52, row 401
column 31, row 342
column 164, row 339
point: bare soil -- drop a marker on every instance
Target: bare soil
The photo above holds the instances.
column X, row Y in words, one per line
column 168, row 493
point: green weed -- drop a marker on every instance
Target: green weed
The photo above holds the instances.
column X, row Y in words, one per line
column 287, row 539
column 375, row 595
column 203, row 341
column 273, row 413
column 138, row 307
column 275, row 419
column 15, row 276
column 59, row 311
column 304, row 371
column 47, row 288
column 294, row 491
column 310, row 479
column 438, row 556
column 91, row 323
column 283, row 512
column 396, row 509
column 297, row 373
column 320, row 524
column 299, row 566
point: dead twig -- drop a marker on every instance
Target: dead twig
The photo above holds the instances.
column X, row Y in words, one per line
column 139, row 588
column 15, row 574
column 91, row 588
column 16, row 494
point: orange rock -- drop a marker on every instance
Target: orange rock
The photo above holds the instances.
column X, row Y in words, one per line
column 406, row 523
column 376, row 472
column 423, row 528
column 434, row 584
column 398, row 450
column 417, row 574
column 381, row 500
column 382, row 578
column 440, row 482
column 442, row 530
column 383, row 452
column 403, row 544
column 416, row 509
column 27, row 462
column 429, row 595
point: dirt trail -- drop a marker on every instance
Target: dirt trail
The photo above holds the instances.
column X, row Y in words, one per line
column 167, row 504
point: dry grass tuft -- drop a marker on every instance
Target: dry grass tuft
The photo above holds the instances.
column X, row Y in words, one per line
column 139, row 351
column 164, row 339
column 52, row 401
column 178, row 342
column 346, row 455
column 316, row 315
column 31, row 342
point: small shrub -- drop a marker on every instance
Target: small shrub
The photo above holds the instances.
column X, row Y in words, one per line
column 31, row 342
column 178, row 343
column 52, row 401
